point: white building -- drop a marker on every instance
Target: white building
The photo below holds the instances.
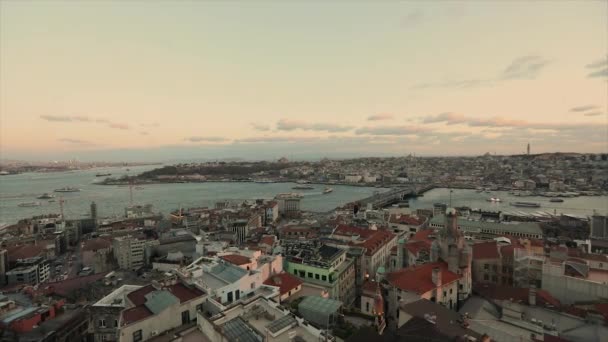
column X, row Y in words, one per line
column 130, row 252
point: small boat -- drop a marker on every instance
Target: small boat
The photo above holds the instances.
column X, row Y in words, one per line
column 103, row 174
column 327, row 190
column 303, row 187
column 525, row 204
column 556, row 200
column 493, row 199
column 67, row 189
column 46, row 195
column 29, row 204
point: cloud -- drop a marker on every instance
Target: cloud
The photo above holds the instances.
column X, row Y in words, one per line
column 599, row 73
column 267, row 139
column 583, row 108
column 593, row 114
column 81, row 118
column 391, row 130
column 205, row 139
column 524, row 68
column 413, row 18
column 380, row 117
column 119, row 126
column 290, row 125
column 64, row 118
column 521, row 68
column 260, row 127
column 600, row 63
column 449, row 118
column 75, row 141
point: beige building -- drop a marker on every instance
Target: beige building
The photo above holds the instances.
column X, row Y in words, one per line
column 96, row 254
column 130, row 252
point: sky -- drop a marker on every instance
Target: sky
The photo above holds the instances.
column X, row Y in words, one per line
column 156, row 81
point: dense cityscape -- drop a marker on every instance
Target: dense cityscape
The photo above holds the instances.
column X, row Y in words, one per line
column 303, row 171
column 371, row 269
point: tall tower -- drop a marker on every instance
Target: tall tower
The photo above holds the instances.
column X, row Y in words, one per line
column 94, row 214
column 528, row 150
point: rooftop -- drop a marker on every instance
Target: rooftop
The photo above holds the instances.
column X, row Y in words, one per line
column 521, row 227
column 419, row 278
column 285, row 281
column 236, row 259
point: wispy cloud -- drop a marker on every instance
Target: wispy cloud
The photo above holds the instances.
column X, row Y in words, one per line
column 521, row 68
column 391, row 130
column 449, row 118
column 585, row 108
column 85, row 119
column 599, row 68
column 290, row 125
column 205, row 139
column 593, row 114
column 75, row 141
column 504, row 123
column 276, row 139
column 118, row 126
column 380, row 117
column 524, row 68
column 412, row 19
column 260, row 127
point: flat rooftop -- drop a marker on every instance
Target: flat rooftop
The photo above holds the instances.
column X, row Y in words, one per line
column 117, row 297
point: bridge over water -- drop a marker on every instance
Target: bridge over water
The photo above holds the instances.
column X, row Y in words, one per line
column 394, row 195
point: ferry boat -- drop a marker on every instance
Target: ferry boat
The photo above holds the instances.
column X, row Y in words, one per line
column 327, row 190
column 46, row 195
column 67, row 189
column 493, row 199
column 29, row 204
column 556, row 200
column 303, row 187
column 103, row 174
column 526, row 204
column 264, row 181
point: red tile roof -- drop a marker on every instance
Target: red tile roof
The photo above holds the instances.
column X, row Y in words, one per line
column 345, row 230
column 370, row 287
column 406, row 219
column 517, row 294
column 135, row 314
column 96, row 244
column 25, row 252
column 138, row 297
column 419, row 278
column 415, row 247
column 285, row 281
column 65, row 287
column 375, row 241
column 236, row 259
column 268, row 240
column 485, row 250
column 423, row 235
column 184, row 293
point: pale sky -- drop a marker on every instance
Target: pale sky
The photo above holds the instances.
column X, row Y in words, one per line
column 161, row 80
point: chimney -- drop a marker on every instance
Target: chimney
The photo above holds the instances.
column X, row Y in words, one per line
column 532, row 296
column 436, row 277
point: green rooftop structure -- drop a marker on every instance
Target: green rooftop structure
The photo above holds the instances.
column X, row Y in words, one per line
column 158, row 301
column 319, row 310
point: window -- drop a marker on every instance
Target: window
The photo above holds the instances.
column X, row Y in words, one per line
column 324, row 278
column 486, row 277
column 317, row 276
column 302, row 274
column 199, row 307
column 450, row 291
column 185, row 317
column 367, row 306
column 102, row 323
column 309, row 274
column 486, row 266
column 115, row 323
column 295, row 272
column 460, row 286
column 253, row 285
column 137, row 336
column 445, row 293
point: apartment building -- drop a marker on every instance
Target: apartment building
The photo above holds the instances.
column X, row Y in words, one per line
column 31, row 271
column 130, row 252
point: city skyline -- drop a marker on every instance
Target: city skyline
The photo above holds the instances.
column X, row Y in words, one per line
column 164, row 81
